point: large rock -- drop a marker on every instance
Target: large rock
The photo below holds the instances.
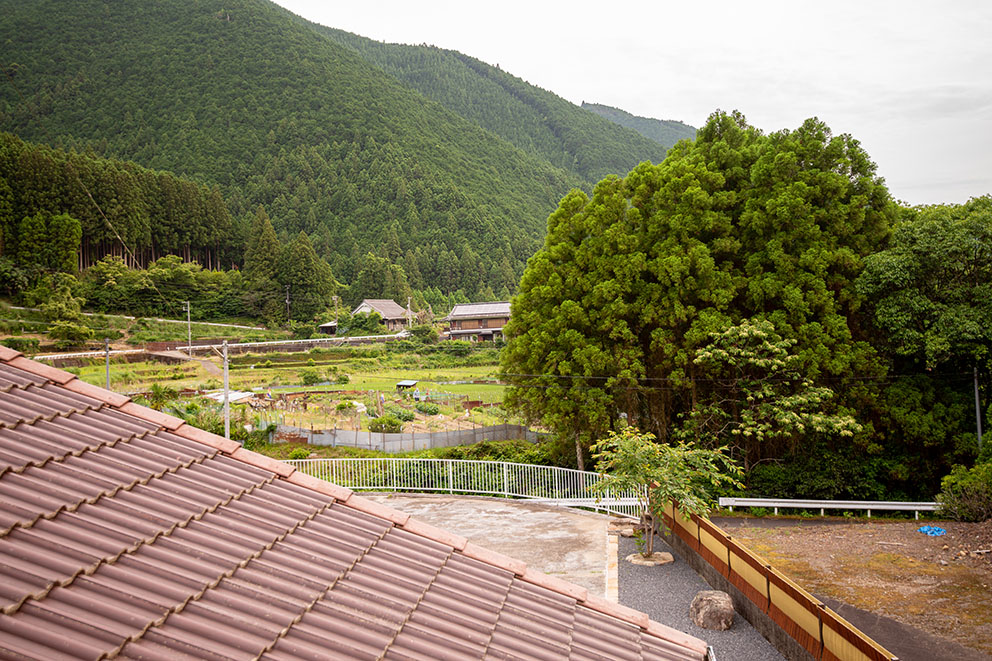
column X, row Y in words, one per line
column 712, row 609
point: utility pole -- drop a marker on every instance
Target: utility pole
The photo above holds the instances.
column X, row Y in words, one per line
column 409, row 313
column 227, row 391
column 189, row 330
column 227, row 398
column 336, row 320
column 287, row 303
column 978, row 411
column 106, row 349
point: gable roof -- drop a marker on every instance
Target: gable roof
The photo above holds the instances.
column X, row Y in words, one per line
column 127, row 532
column 386, row 308
column 479, row 310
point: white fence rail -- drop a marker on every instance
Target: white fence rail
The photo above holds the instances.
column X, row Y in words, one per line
column 546, row 484
column 823, row 505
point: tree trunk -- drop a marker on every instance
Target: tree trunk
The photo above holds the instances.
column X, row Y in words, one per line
column 579, row 461
column 647, row 521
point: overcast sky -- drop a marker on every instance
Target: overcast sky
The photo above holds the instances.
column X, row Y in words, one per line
column 911, row 80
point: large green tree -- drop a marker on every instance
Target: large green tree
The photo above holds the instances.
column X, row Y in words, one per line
column 932, row 288
column 307, row 279
column 632, row 282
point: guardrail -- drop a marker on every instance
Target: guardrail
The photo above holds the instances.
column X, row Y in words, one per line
column 818, row 629
column 823, row 505
column 545, row 484
column 239, row 346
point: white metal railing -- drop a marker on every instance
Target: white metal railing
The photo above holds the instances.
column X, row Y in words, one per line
column 823, row 505
column 545, row 484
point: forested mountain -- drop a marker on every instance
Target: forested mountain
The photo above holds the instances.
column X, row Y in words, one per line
column 243, row 95
column 155, row 213
column 531, row 118
column 665, row 131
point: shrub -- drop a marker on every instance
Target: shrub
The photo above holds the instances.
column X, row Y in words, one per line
column 400, row 413
column 425, row 334
column 342, row 379
column 310, row 377
column 68, row 335
column 345, row 406
column 387, row 424
column 428, row 408
column 966, row 494
column 299, row 453
column 460, row 348
column 22, row 344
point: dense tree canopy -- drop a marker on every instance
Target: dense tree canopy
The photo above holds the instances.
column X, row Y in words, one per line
column 633, row 282
column 932, row 289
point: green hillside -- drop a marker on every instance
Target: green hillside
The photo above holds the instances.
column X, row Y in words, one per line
column 531, row 118
column 242, row 94
column 664, row 131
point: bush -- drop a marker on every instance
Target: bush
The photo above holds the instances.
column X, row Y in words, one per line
column 68, row 335
column 387, row 424
column 299, row 453
column 966, row 494
column 400, row 413
column 345, row 406
column 22, row 344
column 426, row 334
column 428, row 408
column 460, row 348
column 310, row 377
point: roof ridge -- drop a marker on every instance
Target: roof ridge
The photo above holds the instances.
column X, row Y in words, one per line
column 10, row 609
column 195, row 596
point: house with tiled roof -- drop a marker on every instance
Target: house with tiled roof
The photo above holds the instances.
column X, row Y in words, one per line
column 393, row 314
column 478, row 321
column 127, row 533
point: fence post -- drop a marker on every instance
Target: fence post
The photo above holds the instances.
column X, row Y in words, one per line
column 451, row 477
column 506, row 481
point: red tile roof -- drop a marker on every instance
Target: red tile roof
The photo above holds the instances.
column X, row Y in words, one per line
column 127, row 533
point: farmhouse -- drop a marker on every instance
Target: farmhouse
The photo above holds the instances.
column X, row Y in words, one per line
column 127, row 533
column 478, row 321
column 393, row 314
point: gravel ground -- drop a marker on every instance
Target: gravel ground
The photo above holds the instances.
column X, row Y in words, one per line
column 666, row 592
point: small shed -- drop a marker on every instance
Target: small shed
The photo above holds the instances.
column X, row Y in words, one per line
column 405, row 384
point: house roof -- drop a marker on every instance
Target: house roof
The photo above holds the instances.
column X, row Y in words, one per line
column 125, row 532
column 386, row 308
column 479, row 310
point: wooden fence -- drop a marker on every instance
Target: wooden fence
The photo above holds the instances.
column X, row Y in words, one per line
column 819, row 630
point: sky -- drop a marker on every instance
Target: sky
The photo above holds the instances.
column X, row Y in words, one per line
column 911, row 80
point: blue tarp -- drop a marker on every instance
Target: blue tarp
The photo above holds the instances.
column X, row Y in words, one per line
column 933, row 531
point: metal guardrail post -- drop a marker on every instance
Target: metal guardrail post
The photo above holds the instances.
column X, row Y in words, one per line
column 451, row 477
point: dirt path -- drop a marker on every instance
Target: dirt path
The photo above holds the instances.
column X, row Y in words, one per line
column 940, row 585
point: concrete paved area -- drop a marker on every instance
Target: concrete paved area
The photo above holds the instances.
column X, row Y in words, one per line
column 566, row 543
